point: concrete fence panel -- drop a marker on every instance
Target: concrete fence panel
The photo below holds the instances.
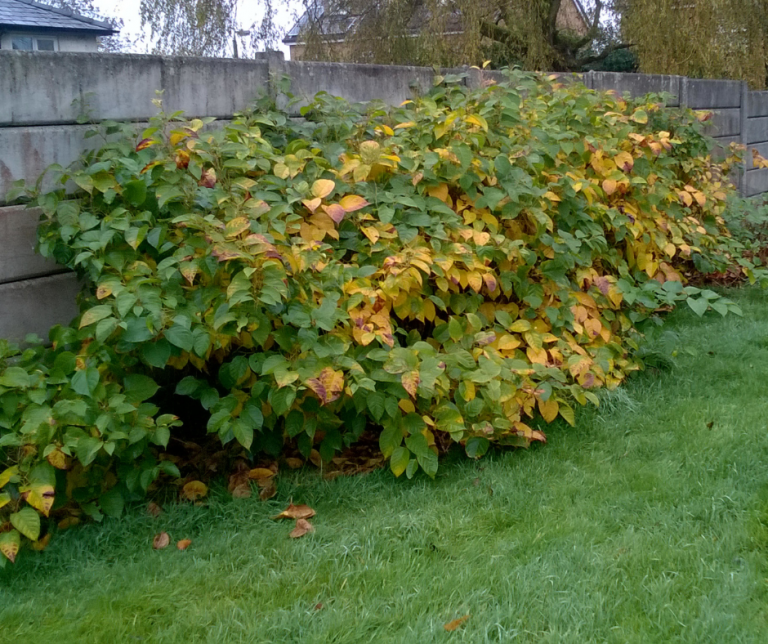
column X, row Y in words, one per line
column 712, row 94
column 18, row 259
column 757, row 104
column 51, row 88
column 637, row 84
column 757, row 130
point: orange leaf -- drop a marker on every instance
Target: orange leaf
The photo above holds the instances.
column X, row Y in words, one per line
column 455, row 624
column 295, row 512
column 161, row 541
column 302, row 527
column 194, row 490
column 322, row 188
column 184, row 544
column 609, row 186
column 351, row 203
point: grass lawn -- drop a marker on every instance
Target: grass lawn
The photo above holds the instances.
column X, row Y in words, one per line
column 648, row 522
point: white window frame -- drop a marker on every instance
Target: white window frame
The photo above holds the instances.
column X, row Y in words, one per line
column 35, row 38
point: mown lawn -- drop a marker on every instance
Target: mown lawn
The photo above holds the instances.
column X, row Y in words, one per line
column 646, row 523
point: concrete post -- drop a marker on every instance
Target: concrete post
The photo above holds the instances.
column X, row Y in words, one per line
column 744, row 136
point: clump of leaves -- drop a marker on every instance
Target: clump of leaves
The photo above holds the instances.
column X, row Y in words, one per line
column 456, row 270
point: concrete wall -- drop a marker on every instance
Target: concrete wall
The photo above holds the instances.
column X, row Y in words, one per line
column 43, row 97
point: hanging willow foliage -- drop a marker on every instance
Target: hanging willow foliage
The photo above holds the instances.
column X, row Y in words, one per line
column 531, row 34
column 703, row 38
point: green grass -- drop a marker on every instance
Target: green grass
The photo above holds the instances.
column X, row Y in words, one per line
column 642, row 524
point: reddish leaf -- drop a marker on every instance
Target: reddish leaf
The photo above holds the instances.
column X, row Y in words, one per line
column 161, row 541
column 302, row 527
column 335, row 212
column 145, row 143
column 208, row 178
column 328, row 385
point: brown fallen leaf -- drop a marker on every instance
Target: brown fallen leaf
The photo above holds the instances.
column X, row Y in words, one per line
column 68, row 522
column 154, row 510
column 302, row 527
column 184, row 544
column 194, row 490
column 295, row 512
column 315, row 458
column 161, row 541
column 293, row 462
column 267, row 492
column 242, row 491
column 319, row 606
column 456, row 623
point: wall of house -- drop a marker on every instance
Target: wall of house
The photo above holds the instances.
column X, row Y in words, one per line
column 43, row 97
column 67, row 42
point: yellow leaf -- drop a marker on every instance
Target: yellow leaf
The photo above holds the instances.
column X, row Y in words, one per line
column 371, row 233
column 194, row 490
column 281, row 171
column 476, row 119
column 9, row 544
column 328, row 385
column 237, row 226
column 103, row 291
column 624, row 161
column 312, row 204
column 41, row 498
column 322, row 188
column 519, row 326
column 410, row 380
column 8, row 474
column 5, row 499
column 406, row 125
column 549, row 409
column 351, row 203
column 177, row 137
column 469, row 390
column 406, row 404
column 552, row 196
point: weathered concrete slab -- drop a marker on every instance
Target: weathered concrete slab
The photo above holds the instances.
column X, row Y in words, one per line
column 757, row 182
column 757, row 104
column 357, row 83
column 25, row 152
column 636, row 84
column 42, row 88
column 18, row 259
column 757, row 130
column 724, row 123
column 712, row 94
column 34, row 306
column 722, row 144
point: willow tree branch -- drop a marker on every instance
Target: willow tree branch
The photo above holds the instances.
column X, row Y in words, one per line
column 604, row 54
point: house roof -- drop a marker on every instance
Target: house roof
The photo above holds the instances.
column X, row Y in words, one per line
column 28, row 14
column 339, row 24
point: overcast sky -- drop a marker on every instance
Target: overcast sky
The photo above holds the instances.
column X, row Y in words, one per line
column 249, row 12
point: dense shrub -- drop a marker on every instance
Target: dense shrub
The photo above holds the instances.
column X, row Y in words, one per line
column 450, row 271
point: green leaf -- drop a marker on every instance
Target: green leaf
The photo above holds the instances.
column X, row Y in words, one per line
column 294, row 423
column 15, row 377
column 282, row 399
column 428, row 462
column 398, row 462
column 180, row 337
column 454, row 328
column 139, row 388
column 243, row 433
column 27, row 521
column 476, row 446
column 87, row 448
column 85, row 381
column 156, row 354
column 699, row 307
column 135, row 192
column 112, row 503
column 390, row 439
column 95, row 314
column 375, row 402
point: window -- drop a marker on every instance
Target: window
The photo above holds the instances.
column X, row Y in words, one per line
column 34, row 43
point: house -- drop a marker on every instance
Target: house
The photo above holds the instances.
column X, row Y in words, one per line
column 337, row 25
column 31, row 26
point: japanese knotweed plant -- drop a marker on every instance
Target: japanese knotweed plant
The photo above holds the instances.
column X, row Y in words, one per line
column 461, row 269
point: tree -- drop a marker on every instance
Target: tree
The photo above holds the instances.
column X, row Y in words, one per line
column 206, row 27
column 86, row 8
column 450, row 32
column 700, row 38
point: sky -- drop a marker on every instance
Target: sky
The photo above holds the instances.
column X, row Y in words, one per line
column 249, row 11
